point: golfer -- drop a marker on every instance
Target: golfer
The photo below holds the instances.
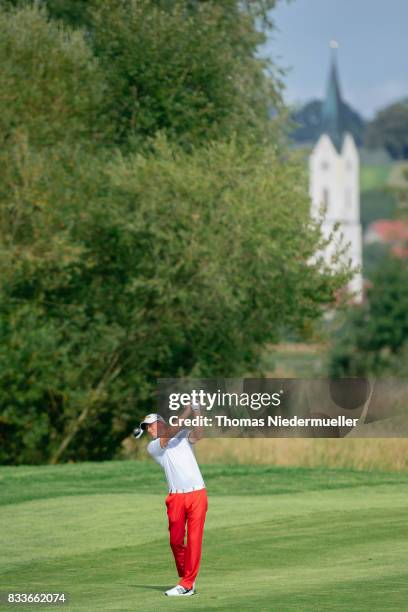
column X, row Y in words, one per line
column 186, row 502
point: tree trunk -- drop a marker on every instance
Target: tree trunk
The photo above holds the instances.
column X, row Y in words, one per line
column 108, row 376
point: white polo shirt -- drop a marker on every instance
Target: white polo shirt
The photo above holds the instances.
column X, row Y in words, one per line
column 179, row 463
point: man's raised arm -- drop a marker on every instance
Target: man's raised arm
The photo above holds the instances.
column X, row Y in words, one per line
column 171, row 430
column 198, row 430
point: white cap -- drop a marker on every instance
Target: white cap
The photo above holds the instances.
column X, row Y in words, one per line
column 151, row 418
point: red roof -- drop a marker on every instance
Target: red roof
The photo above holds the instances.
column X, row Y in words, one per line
column 388, row 230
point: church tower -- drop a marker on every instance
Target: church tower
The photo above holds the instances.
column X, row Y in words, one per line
column 334, row 171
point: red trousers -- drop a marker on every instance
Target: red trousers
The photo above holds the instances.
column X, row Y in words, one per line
column 187, row 509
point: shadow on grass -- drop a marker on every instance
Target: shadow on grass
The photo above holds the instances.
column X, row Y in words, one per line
column 153, row 587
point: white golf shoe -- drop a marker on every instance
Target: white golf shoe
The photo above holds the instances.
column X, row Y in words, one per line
column 180, row 591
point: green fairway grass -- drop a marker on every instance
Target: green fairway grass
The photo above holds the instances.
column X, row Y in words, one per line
column 275, row 539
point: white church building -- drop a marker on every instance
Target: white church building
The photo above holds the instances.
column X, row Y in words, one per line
column 334, row 172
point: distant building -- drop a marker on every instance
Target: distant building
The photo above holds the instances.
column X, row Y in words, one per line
column 393, row 234
column 335, row 178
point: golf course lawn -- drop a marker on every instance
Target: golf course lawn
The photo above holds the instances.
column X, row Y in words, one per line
column 275, row 539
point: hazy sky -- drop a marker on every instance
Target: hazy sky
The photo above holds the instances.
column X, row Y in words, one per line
column 373, row 53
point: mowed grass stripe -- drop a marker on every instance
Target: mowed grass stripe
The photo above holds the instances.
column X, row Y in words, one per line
column 292, row 561
column 26, row 483
column 337, row 541
column 59, row 526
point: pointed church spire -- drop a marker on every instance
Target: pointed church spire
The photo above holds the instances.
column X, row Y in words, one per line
column 332, row 109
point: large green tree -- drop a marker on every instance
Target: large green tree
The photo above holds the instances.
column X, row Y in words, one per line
column 165, row 264
column 187, row 68
column 181, row 251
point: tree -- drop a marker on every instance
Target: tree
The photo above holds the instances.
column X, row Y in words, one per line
column 76, row 13
column 389, row 129
column 166, row 264
column 188, row 70
column 181, row 251
column 52, row 89
column 204, row 80
column 374, row 336
column 72, row 12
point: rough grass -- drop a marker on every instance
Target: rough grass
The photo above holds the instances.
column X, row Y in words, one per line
column 275, row 539
column 390, row 454
column 307, row 361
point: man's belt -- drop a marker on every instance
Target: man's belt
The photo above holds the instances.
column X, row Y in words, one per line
column 188, row 490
